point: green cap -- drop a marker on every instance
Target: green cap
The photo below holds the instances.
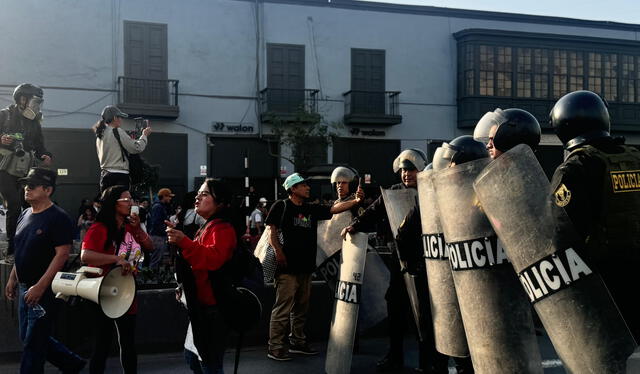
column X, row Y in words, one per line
column 292, row 180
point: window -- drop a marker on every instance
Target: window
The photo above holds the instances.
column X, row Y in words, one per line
column 503, row 71
column 541, row 73
column 525, row 68
column 629, row 78
column 547, row 73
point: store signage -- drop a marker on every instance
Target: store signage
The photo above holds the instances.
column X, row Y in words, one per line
column 235, row 128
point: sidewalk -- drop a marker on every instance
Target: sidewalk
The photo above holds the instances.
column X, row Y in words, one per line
column 254, row 360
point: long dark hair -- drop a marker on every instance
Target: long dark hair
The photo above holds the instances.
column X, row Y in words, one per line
column 107, row 215
column 99, row 127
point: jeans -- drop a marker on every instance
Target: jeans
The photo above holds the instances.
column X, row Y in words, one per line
column 293, row 292
column 35, row 329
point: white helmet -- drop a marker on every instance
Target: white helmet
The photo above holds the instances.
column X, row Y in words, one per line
column 410, row 158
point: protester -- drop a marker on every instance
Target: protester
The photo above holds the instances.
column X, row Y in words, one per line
column 114, row 145
column 160, row 212
column 296, row 258
column 116, row 239
column 196, row 261
column 86, row 219
column 43, row 241
column 21, row 142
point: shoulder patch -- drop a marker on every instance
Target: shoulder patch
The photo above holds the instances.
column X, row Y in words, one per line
column 562, row 195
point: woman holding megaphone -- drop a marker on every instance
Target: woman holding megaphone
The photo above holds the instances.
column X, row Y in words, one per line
column 115, row 239
column 212, row 246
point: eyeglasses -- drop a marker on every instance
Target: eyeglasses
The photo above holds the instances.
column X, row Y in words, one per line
column 125, row 199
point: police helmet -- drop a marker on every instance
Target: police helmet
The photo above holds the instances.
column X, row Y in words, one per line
column 28, row 90
column 343, row 174
column 578, row 117
column 513, row 126
column 413, row 158
column 439, row 162
column 463, row 149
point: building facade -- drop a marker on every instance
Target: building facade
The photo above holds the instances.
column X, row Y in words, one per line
column 215, row 76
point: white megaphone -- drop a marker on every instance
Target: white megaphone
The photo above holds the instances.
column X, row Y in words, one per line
column 114, row 292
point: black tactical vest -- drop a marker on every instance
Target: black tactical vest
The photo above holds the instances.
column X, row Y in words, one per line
column 616, row 234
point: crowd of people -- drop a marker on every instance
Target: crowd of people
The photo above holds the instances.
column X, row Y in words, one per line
column 593, row 203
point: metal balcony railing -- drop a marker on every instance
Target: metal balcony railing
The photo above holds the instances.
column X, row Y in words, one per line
column 147, row 91
column 288, row 101
column 371, row 103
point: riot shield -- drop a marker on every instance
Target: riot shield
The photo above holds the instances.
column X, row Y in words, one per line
column 580, row 317
column 495, row 310
column 329, row 244
column 398, row 203
column 373, row 308
column 447, row 321
column 347, row 299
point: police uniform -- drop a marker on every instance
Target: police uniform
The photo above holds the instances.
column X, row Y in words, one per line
column 398, row 304
column 598, row 186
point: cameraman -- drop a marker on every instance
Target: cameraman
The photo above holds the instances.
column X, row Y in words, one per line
column 21, row 141
column 114, row 146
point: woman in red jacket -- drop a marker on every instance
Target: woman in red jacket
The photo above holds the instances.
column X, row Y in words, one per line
column 116, row 238
column 212, row 246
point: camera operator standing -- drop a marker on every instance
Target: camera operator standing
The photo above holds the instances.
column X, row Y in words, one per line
column 21, row 143
column 114, row 147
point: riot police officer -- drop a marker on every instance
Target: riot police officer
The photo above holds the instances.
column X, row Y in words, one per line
column 598, row 185
column 21, row 141
column 502, row 130
column 408, row 163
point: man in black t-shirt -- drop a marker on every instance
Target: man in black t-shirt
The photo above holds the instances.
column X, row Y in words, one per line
column 42, row 242
column 297, row 221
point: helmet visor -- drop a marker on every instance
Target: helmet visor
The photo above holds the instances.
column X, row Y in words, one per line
column 439, row 161
column 488, row 121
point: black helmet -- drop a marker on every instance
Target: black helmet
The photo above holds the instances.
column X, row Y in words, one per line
column 463, row 149
column 412, row 158
column 514, row 126
column 28, row 90
column 578, row 117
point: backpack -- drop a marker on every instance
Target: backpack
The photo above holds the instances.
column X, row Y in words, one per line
column 136, row 163
column 237, row 285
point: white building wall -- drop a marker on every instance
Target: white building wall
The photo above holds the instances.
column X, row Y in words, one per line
column 77, row 45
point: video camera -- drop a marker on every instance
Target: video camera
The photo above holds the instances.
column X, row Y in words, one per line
column 18, row 146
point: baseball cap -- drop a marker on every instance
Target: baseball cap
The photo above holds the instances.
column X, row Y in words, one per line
column 111, row 111
column 165, row 192
column 39, row 176
column 263, row 200
column 292, row 180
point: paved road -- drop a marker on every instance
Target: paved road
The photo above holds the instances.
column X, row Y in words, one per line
column 254, row 360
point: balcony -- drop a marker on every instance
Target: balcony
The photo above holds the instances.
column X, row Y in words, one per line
column 148, row 97
column 287, row 104
column 372, row 107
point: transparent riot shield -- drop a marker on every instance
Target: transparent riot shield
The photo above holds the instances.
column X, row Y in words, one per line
column 373, row 308
column 447, row 321
column 329, row 244
column 580, row 317
column 495, row 310
column 348, row 294
column 398, row 203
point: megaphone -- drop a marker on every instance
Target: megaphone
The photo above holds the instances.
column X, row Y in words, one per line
column 114, row 292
